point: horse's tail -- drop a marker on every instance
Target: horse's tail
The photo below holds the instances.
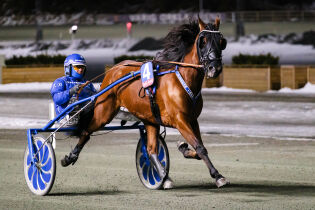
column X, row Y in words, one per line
column 85, row 118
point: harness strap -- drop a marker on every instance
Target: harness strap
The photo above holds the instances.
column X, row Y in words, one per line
column 155, row 108
column 183, row 83
column 186, row 88
column 166, row 72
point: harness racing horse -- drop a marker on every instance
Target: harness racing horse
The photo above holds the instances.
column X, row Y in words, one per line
column 179, row 102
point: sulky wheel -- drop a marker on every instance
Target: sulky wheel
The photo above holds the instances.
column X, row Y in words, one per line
column 146, row 171
column 40, row 173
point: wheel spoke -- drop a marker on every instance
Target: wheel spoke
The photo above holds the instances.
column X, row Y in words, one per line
column 39, row 144
column 30, row 172
column 28, row 161
column 46, row 154
column 142, row 160
column 40, row 182
column 46, row 176
column 151, row 179
column 161, row 153
column 145, row 172
column 156, row 175
column 35, row 180
column 47, row 166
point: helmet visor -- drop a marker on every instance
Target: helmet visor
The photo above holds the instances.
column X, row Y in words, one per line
column 79, row 68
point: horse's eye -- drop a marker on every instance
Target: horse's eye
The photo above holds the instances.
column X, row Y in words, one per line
column 203, row 42
column 223, row 43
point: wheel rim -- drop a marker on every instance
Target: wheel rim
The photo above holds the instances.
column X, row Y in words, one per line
column 146, row 171
column 40, row 174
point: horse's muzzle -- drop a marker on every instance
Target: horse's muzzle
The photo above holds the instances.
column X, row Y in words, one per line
column 213, row 71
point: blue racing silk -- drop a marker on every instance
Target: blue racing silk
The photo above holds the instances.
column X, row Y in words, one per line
column 60, row 91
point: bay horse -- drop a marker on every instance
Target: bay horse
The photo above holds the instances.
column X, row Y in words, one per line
column 195, row 43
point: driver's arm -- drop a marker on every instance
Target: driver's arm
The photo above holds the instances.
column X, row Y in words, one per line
column 59, row 92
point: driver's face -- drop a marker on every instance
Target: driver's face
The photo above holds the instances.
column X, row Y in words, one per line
column 79, row 69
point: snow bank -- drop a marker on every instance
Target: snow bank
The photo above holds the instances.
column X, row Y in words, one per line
column 45, row 87
column 308, row 88
column 25, row 87
column 290, row 51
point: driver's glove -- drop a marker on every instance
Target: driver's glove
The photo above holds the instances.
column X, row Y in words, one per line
column 74, row 89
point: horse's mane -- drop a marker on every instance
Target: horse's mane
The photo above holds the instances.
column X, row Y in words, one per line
column 178, row 42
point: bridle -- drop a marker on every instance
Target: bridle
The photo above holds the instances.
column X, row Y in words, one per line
column 208, row 57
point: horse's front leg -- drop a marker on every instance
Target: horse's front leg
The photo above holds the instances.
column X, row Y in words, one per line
column 191, row 133
column 183, row 146
column 152, row 138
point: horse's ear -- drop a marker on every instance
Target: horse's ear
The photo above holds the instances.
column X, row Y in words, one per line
column 217, row 22
column 202, row 25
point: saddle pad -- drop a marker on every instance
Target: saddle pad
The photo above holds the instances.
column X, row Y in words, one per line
column 147, row 76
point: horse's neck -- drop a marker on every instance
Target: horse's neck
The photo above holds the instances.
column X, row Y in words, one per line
column 192, row 76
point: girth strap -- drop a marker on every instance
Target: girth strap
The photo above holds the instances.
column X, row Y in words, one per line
column 154, row 107
column 186, row 88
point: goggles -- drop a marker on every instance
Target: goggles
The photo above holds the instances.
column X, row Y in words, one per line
column 77, row 67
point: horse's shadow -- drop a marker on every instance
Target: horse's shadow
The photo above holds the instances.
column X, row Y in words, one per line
column 269, row 188
column 87, row 193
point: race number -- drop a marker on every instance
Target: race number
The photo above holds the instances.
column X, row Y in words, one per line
column 147, row 76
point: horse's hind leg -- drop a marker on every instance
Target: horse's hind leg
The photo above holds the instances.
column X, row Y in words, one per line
column 191, row 133
column 104, row 112
column 152, row 138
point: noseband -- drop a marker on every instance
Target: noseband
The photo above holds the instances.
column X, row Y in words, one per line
column 207, row 57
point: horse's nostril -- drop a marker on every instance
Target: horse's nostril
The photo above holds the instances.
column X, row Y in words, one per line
column 211, row 71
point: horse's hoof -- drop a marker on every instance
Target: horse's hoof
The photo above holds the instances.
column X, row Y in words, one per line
column 67, row 160
column 64, row 161
column 168, row 184
column 222, row 182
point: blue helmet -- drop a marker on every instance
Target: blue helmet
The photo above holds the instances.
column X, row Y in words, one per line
column 73, row 60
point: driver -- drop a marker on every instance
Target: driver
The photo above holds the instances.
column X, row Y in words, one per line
column 64, row 89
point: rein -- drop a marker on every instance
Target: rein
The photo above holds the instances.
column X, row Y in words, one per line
column 196, row 66
column 88, row 82
column 139, row 64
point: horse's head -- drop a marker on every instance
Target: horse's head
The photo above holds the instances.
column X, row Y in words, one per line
column 210, row 43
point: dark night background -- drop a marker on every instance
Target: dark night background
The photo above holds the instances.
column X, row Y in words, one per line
column 19, row 7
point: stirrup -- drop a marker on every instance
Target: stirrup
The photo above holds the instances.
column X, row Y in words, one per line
column 67, row 160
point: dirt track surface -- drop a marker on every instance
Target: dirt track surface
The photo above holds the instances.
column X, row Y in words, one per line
column 264, row 174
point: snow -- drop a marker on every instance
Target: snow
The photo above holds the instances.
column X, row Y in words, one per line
column 45, row 87
column 287, row 53
column 105, row 50
column 226, row 89
column 308, row 88
column 25, row 87
column 21, row 122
